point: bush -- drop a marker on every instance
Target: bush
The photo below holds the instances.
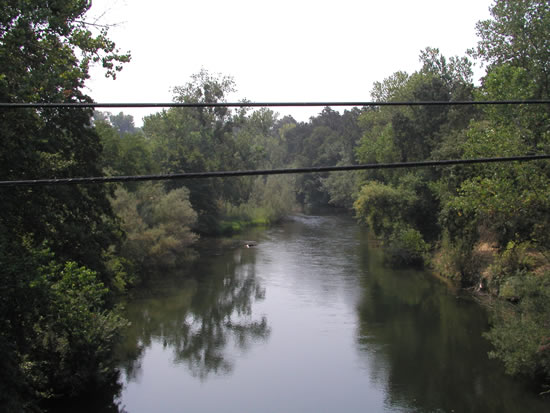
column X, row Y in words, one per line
column 520, row 332
column 381, row 206
column 407, row 247
column 459, row 260
column 73, row 337
column 514, row 261
column 58, row 329
column 389, row 212
column 158, row 226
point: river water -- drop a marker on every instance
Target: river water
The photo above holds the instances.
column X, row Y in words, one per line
column 310, row 320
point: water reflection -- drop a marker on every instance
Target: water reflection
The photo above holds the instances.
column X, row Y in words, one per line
column 197, row 318
column 345, row 334
column 422, row 342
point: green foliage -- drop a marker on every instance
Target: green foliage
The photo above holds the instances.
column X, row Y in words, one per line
column 381, row 206
column 158, row 226
column 272, row 198
column 509, row 199
column 58, row 329
column 456, row 259
column 377, row 144
column 407, row 247
column 73, row 336
column 403, row 207
column 214, row 139
column 45, row 55
column 328, row 139
column 409, row 200
column 123, row 123
column 520, row 333
column 197, row 140
column 390, row 88
column 514, row 261
column 518, row 34
column 129, row 154
column 390, row 212
column 46, row 50
column 342, row 188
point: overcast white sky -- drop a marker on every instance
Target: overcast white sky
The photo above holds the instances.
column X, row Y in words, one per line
column 285, row 50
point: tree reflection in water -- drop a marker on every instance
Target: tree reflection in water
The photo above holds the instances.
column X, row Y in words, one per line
column 423, row 343
column 199, row 317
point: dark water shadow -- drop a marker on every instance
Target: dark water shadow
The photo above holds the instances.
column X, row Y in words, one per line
column 423, row 343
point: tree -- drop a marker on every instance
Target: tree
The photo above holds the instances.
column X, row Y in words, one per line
column 46, row 49
column 515, row 44
column 127, row 154
column 416, row 133
column 197, row 140
column 509, row 200
column 327, row 140
column 123, row 123
column 518, row 34
column 395, row 214
column 45, row 55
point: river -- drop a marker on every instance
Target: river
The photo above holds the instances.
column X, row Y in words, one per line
column 310, row 320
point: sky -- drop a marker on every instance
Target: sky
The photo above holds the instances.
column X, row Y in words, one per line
column 285, row 50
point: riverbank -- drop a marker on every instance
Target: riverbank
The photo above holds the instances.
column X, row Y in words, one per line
column 513, row 284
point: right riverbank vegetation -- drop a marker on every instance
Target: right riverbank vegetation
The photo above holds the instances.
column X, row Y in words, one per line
column 68, row 252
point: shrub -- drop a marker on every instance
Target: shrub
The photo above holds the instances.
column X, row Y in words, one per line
column 158, row 226
column 520, row 333
column 73, row 335
column 407, row 247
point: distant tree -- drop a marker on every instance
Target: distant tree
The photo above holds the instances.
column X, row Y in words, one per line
column 326, row 140
column 124, row 155
column 123, row 123
column 197, row 140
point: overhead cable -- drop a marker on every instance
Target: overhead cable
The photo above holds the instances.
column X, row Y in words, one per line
column 225, row 174
column 244, row 104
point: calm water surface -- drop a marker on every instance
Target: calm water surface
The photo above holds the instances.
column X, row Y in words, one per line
column 311, row 321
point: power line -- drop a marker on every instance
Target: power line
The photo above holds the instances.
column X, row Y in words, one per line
column 38, row 105
column 225, row 174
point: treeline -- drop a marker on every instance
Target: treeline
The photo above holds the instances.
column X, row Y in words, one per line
column 162, row 221
column 68, row 251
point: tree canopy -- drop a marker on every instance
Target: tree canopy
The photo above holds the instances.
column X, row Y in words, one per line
column 56, row 279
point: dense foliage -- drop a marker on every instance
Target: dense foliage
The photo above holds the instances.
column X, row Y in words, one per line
column 58, row 326
column 486, row 225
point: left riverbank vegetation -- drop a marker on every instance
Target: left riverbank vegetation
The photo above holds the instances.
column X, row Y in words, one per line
column 67, row 252
column 58, row 245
